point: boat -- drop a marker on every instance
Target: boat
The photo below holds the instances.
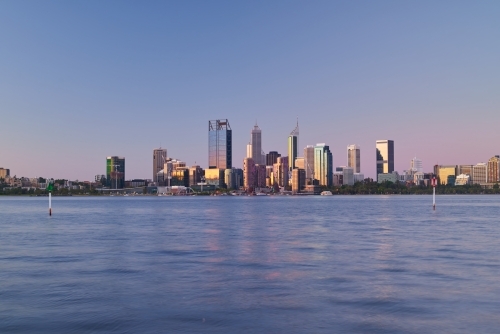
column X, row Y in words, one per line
column 326, row 193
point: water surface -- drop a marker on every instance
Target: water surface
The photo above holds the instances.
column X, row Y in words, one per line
column 350, row 264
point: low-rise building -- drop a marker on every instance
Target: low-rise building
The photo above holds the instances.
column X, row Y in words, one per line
column 390, row 177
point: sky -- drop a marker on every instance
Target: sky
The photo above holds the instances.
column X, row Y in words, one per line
column 82, row 80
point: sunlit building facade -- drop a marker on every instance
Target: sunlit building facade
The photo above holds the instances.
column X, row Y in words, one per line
column 248, row 173
column 298, row 180
column 480, row 173
column 309, row 161
column 494, row 169
column 220, row 144
column 385, row 156
column 443, row 171
column 354, row 158
column 256, row 145
column 281, row 171
column 215, row 177
column 323, row 165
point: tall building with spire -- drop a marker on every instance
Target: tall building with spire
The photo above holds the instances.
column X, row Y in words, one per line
column 159, row 159
column 256, row 142
column 293, row 142
column 220, row 144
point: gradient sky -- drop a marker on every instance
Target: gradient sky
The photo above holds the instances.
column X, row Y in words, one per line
column 81, row 80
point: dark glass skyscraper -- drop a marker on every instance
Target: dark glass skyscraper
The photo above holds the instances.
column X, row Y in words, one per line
column 220, row 144
column 385, row 156
column 115, row 172
column 293, row 142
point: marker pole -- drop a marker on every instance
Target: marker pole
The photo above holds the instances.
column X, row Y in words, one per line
column 50, row 204
column 434, row 198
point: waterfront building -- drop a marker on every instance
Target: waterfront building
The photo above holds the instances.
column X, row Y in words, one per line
column 220, row 144
column 391, row 177
column 215, row 177
column 249, row 150
column 260, row 176
column 269, row 176
column 323, row 165
column 233, row 178
column 354, row 158
column 418, row 178
column 256, row 144
column 248, row 173
column 159, row 159
column 4, row 173
column 281, row 170
column 195, row 175
column 443, row 171
column 309, row 162
column 293, row 141
column 179, row 177
column 115, row 172
column 385, row 156
column 462, row 180
column 416, row 165
column 494, row 169
column 480, row 173
column 465, row 169
column 359, row 177
column 348, row 176
column 100, row 179
column 298, row 180
column 338, row 179
column 272, row 157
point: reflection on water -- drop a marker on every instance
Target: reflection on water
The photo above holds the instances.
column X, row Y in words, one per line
column 287, row 265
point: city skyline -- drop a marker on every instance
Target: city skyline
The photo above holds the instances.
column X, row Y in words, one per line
column 80, row 84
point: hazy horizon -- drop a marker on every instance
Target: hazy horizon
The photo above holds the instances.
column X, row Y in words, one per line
column 85, row 80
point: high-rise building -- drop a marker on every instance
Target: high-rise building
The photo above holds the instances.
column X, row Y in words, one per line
column 293, row 141
column 248, row 173
column 233, row 178
column 249, row 150
column 220, row 144
column 354, row 158
column 260, row 176
column 323, row 165
column 215, row 177
column 494, row 169
column 416, row 165
column 298, row 179
column 4, row 173
column 159, row 159
column 256, row 142
column 480, row 173
column 309, row 162
column 195, row 175
column 300, row 163
column 385, row 156
column 115, row 172
column 281, row 172
column 272, row 157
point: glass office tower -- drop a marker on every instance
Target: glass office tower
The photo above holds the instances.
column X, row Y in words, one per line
column 220, row 148
column 385, row 156
column 115, row 172
column 323, row 165
column 293, row 141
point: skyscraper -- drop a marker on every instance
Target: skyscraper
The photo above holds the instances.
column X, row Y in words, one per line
column 115, row 172
column 494, row 169
column 416, row 165
column 385, row 156
column 256, row 141
column 309, row 162
column 248, row 173
column 293, row 141
column 272, row 157
column 220, row 144
column 354, row 158
column 323, row 165
column 159, row 159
